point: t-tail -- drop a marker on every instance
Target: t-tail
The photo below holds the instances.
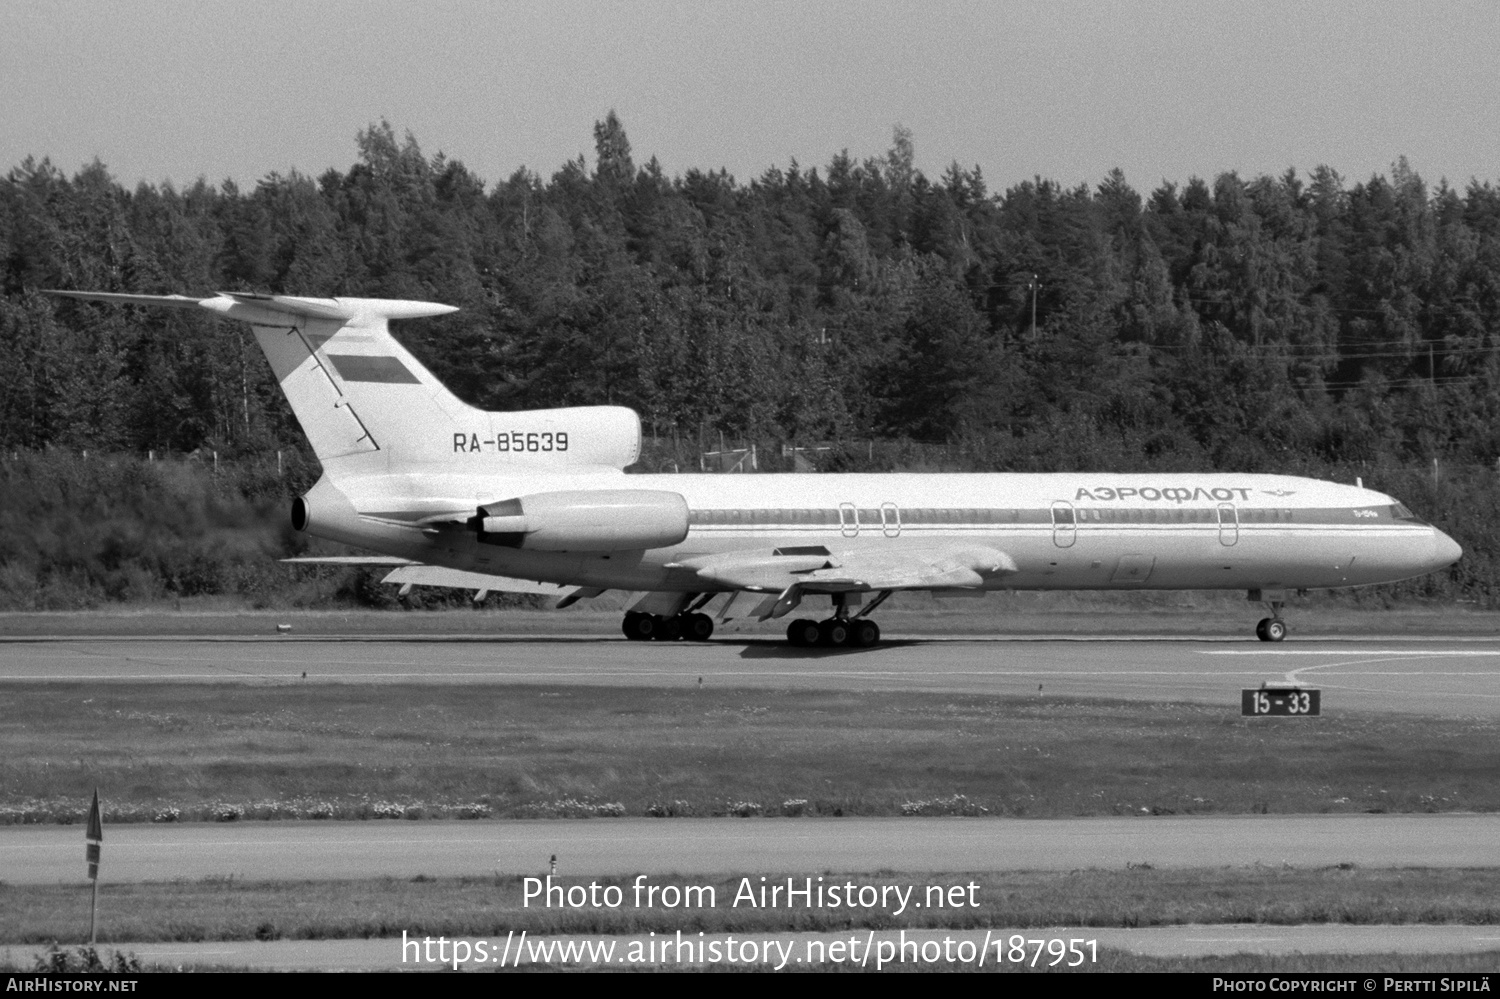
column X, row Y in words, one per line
column 368, row 407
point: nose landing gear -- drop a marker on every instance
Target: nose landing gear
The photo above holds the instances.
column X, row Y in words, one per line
column 1270, row 629
column 1273, row 628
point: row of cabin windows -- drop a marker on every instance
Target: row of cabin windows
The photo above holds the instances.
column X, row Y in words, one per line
column 872, row 517
column 928, row 515
column 1181, row 516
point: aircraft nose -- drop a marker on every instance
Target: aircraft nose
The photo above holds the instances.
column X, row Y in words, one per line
column 1445, row 551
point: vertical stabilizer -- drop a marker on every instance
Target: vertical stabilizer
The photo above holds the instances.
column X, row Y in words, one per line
column 363, row 400
column 368, row 406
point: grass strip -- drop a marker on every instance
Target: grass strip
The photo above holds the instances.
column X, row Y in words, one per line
column 227, row 909
column 411, row 750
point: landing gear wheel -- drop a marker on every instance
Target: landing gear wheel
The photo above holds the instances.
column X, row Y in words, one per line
column 639, row 627
column 697, row 627
column 1271, row 629
column 864, row 633
column 668, row 629
column 833, row 632
column 802, row 632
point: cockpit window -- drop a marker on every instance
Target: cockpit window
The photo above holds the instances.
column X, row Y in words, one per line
column 1400, row 512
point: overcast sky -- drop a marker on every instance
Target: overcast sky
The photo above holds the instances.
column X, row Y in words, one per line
column 176, row 90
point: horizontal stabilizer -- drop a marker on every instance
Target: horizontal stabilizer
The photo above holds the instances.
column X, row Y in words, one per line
column 254, row 308
column 312, row 308
column 171, row 301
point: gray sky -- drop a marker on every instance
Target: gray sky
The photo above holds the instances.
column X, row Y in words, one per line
column 176, row 90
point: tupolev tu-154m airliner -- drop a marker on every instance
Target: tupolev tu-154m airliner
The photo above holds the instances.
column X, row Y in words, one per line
column 538, row 502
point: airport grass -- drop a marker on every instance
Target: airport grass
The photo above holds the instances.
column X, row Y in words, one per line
column 232, row 909
column 181, row 751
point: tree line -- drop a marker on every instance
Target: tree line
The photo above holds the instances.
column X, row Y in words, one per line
column 1300, row 323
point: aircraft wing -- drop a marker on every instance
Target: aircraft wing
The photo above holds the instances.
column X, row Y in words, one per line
column 416, row 574
column 406, row 572
column 350, row 560
column 817, row 570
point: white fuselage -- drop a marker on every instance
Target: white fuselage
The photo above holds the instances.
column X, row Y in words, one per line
column 1062, row 531
column 412, row 471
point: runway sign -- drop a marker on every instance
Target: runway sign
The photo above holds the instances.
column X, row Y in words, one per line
column 1262, row 701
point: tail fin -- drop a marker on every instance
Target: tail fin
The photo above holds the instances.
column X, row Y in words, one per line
column 367, row 405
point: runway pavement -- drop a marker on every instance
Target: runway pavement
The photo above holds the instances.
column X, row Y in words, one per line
column 1429, row 676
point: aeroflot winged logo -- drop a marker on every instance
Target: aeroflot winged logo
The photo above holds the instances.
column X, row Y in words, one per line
column 1279, row 492
column 1173, row 494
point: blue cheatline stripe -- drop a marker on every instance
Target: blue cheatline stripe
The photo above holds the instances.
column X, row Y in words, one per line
column 385, row 370
column 1084, row 518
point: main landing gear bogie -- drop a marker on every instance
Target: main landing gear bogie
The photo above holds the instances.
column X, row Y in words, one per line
column 860, row 633
column 694, row 627
column 841, row 630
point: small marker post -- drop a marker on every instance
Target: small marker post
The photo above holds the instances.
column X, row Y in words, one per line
column 93, row 843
